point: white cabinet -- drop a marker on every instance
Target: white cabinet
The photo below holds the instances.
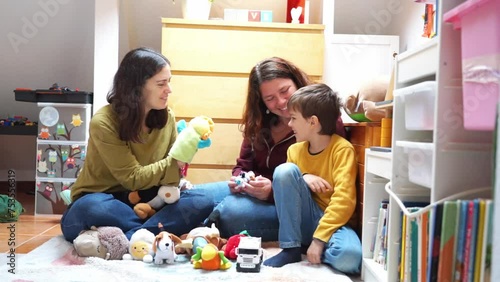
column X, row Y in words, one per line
column 432, row 163
column 61, row 149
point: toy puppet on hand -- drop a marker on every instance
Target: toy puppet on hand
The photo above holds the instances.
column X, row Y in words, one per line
column 191, row 138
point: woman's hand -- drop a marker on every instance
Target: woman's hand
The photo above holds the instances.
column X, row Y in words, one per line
column 317, row 184
column 315, row 251
column 260, row 188
column 232, row 185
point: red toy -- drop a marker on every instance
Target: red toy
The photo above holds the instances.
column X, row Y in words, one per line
column 232, row 244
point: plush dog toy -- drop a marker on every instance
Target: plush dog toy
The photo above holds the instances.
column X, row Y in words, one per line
column 164, row 247
column 141, row 246
column 107, row 242
column 188, row 141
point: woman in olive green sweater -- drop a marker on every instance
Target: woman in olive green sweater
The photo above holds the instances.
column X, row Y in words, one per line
column 128, row 150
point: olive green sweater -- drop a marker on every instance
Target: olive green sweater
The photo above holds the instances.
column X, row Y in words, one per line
column 113, row 165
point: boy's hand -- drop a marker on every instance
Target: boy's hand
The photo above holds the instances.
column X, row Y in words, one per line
column 315, row 251
column 317, row 184
column 260, row 188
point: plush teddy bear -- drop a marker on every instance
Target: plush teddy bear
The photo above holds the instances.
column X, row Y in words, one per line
column 369, row 93
column 107, row 242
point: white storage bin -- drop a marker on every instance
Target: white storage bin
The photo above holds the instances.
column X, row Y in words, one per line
column 419, row 100
column 419, row 161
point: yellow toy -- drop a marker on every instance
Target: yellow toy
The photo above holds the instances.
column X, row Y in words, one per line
column 141, row 246
column 191, row 138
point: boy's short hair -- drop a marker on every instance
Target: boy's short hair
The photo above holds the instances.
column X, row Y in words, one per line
column 318, row 100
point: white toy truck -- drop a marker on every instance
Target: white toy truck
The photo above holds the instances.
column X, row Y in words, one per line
column 249, row 254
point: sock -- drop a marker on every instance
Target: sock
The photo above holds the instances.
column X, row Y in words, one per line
column 286, row 256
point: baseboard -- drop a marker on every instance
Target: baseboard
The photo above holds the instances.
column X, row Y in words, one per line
column 21, row 175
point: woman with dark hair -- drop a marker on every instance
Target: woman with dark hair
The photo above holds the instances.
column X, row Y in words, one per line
column 128, row 151
column 266, row 138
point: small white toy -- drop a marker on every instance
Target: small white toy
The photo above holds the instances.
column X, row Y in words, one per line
column 243, row 178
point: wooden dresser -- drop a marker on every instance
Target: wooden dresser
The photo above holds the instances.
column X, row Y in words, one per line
column 362, row 135
column 211, row 61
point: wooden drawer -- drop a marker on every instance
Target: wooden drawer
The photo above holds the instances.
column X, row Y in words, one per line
column 219, row 46
column 217, row 96
column 361, row 173
column 205, row 175
column 225, row 148
column 360, row 153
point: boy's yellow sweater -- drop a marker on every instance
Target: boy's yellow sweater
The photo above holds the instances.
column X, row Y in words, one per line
column 337, row 165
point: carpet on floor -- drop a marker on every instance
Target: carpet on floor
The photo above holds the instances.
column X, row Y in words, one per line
column 56, row 260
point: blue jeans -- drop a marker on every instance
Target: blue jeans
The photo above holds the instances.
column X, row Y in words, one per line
column 102, row 209
column 240, row 212
column 299, row 216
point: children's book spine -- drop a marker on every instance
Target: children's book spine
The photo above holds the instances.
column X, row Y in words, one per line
column 437, row 243
column 487, row 246
column 447, row 247
column 462, row 229
column 479, row 240
column 473, row 241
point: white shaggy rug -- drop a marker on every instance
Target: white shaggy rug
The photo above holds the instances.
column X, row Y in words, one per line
column 56, row 261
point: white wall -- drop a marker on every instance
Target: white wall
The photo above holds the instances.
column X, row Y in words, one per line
column 42, row 42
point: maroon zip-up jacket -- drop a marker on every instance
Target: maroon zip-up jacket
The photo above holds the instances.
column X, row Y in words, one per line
column 262, row 159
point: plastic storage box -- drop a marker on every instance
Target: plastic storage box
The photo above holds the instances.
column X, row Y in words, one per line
column 419, row 161
column 419, row 100
column 479, row 21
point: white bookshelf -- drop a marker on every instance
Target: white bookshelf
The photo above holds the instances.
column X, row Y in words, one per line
column 443, row 161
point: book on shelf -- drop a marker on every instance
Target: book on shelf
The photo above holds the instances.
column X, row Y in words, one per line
column 449, row 232
column 479, row 240
column 423, row 243
column 435, row 236
column 461, row 233
column 378, row 250
column 470, row 240
column 485, row 274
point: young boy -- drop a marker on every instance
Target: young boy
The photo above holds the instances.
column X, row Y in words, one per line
column 315, row 191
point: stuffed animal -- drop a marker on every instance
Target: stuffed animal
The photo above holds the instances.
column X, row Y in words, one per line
column 232, row 243
column 364, row 101
column 210, row 258
column 166, row 195
column 141, row 246
column 243, row 178
column 199, row 237
column 107, row 242
column 164, row 247
column 188, row 141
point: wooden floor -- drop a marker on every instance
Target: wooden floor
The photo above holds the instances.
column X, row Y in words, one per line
column 29, row 231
